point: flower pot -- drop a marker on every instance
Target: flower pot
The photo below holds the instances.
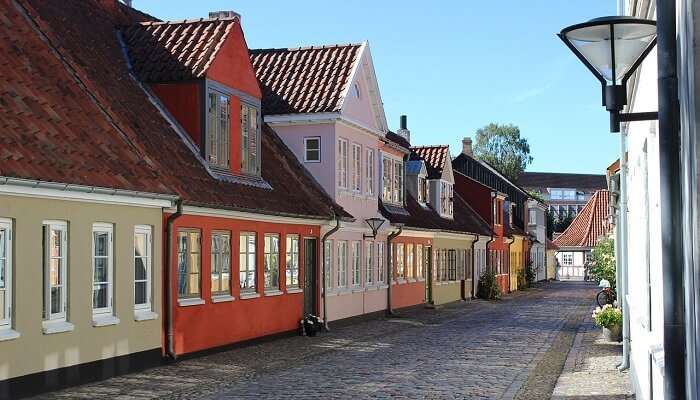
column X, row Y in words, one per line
column 310, row 328
column 613, row 333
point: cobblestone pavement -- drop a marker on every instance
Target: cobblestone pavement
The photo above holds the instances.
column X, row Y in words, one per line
column 591, row 371
column 512, row 348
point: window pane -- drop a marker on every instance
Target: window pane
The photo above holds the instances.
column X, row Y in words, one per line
column 2, row 273
column 55, row 271
column 101, row 270
column 55, row 300
column 140, row 296
column 56, row 238
column 99, row 295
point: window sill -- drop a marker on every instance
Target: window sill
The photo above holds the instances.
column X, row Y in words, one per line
column 420, row 279
column 190, row 302
column 104, row 320
column 144, row 315
column 270, row 293
column 222, row 298
column 248, row 296
column 371, row 287
column 383, row 286
column 295, row 290
column 411, row 280
column 358, row 289
column 51, row 327
column 8, row 334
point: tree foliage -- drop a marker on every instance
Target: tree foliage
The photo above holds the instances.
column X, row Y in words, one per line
column 488, row 286
column 602, row 264
column 561, row 224
column 503, row 148
column 549, row 216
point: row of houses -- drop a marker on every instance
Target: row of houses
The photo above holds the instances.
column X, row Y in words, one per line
column 164, row 190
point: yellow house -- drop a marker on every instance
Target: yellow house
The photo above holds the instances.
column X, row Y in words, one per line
column 516, row 261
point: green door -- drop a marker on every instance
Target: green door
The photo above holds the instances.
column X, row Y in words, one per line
column 428, row 262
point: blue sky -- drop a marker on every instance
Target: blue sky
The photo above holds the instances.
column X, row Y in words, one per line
column 453, row 66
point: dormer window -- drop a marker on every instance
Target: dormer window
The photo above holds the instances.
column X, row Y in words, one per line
column 250, row 139
column 446, row 199
column 218, row 130
column 392, row 182
column 422, row 190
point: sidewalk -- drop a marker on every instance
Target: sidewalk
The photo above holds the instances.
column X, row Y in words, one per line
column 590, row 371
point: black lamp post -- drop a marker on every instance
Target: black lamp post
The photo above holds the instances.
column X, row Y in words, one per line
column 612, row 48
column 374, row 224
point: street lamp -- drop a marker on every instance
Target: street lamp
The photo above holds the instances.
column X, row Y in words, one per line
column 374, row 224
column 612, row 48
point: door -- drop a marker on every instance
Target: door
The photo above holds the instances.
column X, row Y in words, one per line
column 428, row 262
column 309, row 276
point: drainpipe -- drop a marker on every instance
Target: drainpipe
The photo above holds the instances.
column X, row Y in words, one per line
column 488, row 263
column 671, row 204
column 323, row 270
column 622, row 248
column 390, row 269
column 473, row 267
column 169, row 278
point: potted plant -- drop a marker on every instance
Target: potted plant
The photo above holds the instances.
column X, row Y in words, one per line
column 610, row 318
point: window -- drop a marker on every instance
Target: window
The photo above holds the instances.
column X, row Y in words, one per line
column 218, row 129
column 399, row 261
column 446, row 198
column 5, row 274
column 380, row 263
column 452, row 265
column 220, row 263
column 356, row 262
column 189, row 259
column 55, row 266
column 292, row 261
column 409, row 261
column 422, row 190
column 247, row 262
column 342, row 268
column 272, row 262
column 369, row 267
column 356, row 167
column 387, row 179
column 102, row 264
column 142, row 267
column 312, row 149
column 419, row 261
column 356, row 90
column 398, row 182
column 370, row 172
column 567, row 259
column 555, row 194
column 250, row 140
column 328, row 261
column 532, row 217
column 342, row 163
column 442, row 265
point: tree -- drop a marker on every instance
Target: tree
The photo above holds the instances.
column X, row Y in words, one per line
column 550, row 224
column 503, row 148
column 602, row 264
column 563, row 223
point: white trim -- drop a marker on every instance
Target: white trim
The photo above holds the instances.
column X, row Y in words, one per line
column 51, row 327
column 148, row 306
column 62, row 226
column 249, row 295
column 144, row 316
column 306, row 148
column 104, row 320
column 458, row 236
column 269, row 293
column 6, row 323
column 8, row 334
column 294, row 290
column 98, row 313
column 321, row 118
column 190, row 301
column 246, row 216
column 93, row 194
column 222, row 298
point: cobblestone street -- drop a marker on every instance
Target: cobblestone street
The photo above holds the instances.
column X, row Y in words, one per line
column 513, row 348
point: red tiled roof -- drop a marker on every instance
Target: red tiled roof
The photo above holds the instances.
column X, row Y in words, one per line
column 175, row 51
column 304, row 79
column 82, row 33
column 589, row 225
column 549, row 245
column 559, row 180
column 435, row 158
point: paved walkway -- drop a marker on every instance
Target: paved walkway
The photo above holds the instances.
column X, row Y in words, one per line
column 591, row 371
column 513, row 348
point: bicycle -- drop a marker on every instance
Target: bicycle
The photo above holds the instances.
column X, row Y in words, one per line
column 606, row 296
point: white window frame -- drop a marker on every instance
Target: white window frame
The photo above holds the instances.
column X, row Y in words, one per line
column 248, row 268
column 269, row 253
column 184, row 298
column 532, row 217
column 420, row 272
column 342, row 167
column 109, row 230
column 307, row 149
column 381, row 269
column 356, row 263
column 369, row 264
column 342, row 268
column 218, row 140
column 61, row 226
column 392, row 191
column 398, row 178
column 292, row 261
column 6, row 322
column 567, row 258
column 328, row 262
column 220, row 269
column 410, row 257
column 369, row 185
column 400, row 261
column 147, row 260
column 356, row 180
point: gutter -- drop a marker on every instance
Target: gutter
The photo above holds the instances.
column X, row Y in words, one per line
column 488, row 259
column 169, row 279
column 390, row 269
column 323, row 270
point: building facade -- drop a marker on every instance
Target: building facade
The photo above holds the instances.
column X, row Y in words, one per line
column 537, row 229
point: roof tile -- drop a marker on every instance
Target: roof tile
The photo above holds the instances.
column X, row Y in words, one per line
column 589, row 225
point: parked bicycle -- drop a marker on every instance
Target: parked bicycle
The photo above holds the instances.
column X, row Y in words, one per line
column 607, row 295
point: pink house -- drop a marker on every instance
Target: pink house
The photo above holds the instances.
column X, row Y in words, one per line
column 325, row 104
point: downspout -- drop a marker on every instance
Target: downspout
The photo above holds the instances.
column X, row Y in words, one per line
column 169, row 278
column 671, row 205
column 622, row 248
column 323, row 270
column 390, row 269
column 473, row 266
column 488, row 263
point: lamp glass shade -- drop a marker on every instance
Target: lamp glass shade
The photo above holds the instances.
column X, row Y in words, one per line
column 595, row 41
column 374, row 224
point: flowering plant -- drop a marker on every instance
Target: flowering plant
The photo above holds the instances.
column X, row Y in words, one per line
column 607, row 316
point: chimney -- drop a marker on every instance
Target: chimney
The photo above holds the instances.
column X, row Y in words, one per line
column 127, row 2
column 403, row 130
column 224, row 14
column 467, row 147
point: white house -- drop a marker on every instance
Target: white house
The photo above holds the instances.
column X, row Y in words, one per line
column 537, row 227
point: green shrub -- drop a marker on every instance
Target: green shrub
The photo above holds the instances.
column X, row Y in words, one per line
column 530, row 273
column 602, row 264
column 488, row 286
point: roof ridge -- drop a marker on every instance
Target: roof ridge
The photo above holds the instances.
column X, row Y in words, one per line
column 302, row 48
column 430, row 146
column 189, row 21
